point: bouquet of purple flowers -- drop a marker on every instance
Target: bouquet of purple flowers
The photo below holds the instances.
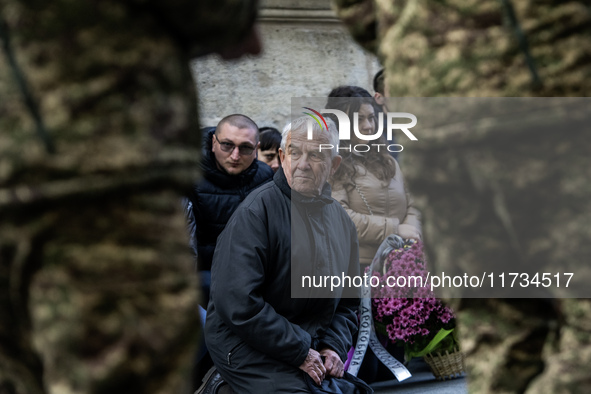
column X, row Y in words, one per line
column 406, row 310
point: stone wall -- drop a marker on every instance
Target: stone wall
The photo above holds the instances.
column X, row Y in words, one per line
column 307, row 52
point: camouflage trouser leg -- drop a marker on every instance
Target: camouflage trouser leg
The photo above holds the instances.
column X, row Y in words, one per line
column 568, row 361
column 527, row 345
column 97, row 296
column 504, row 341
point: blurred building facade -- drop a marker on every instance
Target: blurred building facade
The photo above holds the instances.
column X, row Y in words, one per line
column 307, row 52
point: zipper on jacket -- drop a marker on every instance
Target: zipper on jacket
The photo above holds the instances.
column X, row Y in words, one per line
column 233, row 350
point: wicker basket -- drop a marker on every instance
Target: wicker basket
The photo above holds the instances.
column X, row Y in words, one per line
column 446, row 366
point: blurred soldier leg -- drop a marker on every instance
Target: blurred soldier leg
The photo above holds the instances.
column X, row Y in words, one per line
column 103, row 291
column 504, row 350
column 568, row 357
column 498, row 49
column 99, row 140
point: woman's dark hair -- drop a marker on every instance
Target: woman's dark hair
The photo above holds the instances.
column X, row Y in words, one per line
column 340, row 98
column 270, row 138
column 378, row 82
column 381, row 164
column 349, row 91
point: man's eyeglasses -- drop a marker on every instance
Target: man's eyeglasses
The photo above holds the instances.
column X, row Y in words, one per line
column 243, row 150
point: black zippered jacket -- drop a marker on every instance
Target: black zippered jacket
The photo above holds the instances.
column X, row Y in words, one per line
column 215, row 197
column 251, row 297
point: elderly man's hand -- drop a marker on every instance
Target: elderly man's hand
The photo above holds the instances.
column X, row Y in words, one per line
column 313, row 366
column 333, row 364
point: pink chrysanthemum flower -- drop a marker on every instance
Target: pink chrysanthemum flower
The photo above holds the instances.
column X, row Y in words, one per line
column 407, row 309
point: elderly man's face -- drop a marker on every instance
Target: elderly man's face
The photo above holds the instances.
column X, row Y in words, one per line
column 306, row 168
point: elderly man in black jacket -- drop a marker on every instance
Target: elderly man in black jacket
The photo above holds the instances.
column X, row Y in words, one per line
column 265, row 329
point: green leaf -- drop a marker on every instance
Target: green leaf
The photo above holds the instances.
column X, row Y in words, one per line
column 440, row 336
column 380, row 327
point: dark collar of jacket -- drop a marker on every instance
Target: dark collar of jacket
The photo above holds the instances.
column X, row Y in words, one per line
column 348, row 384
column 323, row 199
column 213, row 174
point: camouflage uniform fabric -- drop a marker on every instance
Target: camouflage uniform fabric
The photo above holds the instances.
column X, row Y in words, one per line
column 98, row 141
column 500, row 49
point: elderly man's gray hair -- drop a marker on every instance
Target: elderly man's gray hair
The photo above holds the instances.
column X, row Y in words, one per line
column 300, row 126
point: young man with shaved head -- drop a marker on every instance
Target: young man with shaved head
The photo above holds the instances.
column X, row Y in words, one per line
column 230, row 172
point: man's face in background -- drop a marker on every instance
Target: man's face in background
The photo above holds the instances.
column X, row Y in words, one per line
column 270, row 157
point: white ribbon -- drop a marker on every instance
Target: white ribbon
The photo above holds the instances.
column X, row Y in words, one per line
column 367, row 334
